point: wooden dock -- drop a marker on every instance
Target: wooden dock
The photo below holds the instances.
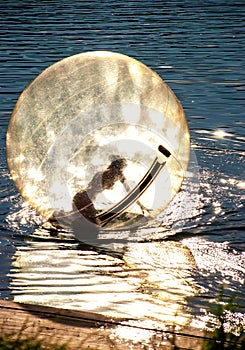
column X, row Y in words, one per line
column 81, row 330
column 89, row 330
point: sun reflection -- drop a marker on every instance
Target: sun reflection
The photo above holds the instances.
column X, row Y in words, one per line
column 217, row 207
column 149, row 284
column 220, row 133
column 233, row 182
column 241, row 185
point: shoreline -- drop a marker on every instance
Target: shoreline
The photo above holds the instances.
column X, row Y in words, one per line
column 90, row 330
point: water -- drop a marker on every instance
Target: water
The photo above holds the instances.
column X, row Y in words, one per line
column 198, row 49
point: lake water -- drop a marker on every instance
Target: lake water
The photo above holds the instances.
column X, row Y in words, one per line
column 198, row 49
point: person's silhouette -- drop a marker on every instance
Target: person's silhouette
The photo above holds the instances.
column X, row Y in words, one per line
column 103, row 180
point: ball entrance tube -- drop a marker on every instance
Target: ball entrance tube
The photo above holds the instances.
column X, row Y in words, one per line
column 134, row 195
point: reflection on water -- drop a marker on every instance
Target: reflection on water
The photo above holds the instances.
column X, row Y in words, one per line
column 149, row 281
column 153, row 285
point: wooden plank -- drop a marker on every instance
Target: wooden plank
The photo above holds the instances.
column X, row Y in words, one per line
column 60, row 325
column 81, row 330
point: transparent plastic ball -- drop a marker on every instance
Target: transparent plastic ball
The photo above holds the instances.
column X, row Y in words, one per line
column 98, row 140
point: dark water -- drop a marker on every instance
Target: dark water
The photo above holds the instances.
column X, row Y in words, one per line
column 198, row 49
